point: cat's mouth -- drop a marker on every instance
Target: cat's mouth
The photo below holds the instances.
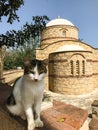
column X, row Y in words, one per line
column 36, row 80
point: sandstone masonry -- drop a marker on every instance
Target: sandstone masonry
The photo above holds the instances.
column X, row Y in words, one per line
column 73, row 64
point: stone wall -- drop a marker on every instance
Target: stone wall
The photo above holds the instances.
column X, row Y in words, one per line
column 77, row 81
column 55, row 33
column 90, row 60
column 71, row 72
column 94, row 62
column 43, row 53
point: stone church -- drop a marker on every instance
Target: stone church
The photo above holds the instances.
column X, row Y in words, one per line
column 73, row 64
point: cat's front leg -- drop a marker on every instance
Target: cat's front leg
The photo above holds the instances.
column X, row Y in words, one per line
column 30, row 118
column 37, row 109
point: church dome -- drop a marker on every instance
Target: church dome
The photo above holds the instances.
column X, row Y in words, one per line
column 59, row 21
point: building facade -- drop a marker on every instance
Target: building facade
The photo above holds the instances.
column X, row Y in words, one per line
column 73, row 64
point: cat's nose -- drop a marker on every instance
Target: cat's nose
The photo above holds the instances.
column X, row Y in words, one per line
column 35, row 80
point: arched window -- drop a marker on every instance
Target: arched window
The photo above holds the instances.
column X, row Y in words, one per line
column 71, row 66
column 83, row 67
column 77, row 67
column 63, row 33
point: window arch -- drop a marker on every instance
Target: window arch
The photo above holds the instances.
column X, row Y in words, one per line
column 77, row 64
column 71, row 67
column 77, row 67
column 63, row 33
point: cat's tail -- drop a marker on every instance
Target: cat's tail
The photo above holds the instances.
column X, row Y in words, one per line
column 13, row 107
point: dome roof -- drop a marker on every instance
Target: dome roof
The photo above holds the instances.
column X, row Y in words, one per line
column 59, row 21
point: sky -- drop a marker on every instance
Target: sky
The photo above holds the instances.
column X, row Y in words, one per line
column 82, row 13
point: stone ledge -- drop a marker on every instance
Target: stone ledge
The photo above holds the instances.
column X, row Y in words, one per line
column 63, row 115
column 55, row 120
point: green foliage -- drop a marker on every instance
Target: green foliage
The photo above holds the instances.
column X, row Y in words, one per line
column 19, row 40
column 16, row 38
column 8, row 8
column 9, row 60
column 15, row 57
column 22, row 42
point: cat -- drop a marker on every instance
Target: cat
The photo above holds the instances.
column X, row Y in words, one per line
column 27, row 93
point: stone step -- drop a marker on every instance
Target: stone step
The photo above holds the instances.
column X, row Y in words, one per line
column 65, row 116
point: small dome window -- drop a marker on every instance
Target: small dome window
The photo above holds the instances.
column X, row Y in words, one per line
column 63, row 33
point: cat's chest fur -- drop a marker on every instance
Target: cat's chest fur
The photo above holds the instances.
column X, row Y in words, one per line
column 28, row 89
column 33, row 88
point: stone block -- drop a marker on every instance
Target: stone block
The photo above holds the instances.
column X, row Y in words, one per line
column 62, row 114
column 95, row 108
column 93, row 124
column 55, row 120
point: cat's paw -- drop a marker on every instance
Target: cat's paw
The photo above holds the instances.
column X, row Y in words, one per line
column 23, row 117
column 31, row 126
column 38, row 123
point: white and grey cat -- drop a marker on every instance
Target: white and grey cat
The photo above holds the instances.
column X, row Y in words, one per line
column 26, row 96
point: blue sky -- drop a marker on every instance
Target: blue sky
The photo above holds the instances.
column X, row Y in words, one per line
column 82, row 13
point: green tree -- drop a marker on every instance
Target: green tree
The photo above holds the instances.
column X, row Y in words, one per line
column 20, row 40
column 9, row 8
column 23, row 42
column 16, row 38
column 14, row 57
column 11, row 38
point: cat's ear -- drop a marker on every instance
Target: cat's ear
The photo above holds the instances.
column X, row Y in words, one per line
column 46, row 61
column 26, row 62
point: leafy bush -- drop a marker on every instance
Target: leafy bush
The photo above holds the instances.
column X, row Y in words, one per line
column 14, row 58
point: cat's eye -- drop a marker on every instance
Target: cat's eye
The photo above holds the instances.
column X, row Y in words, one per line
column 32, row 72
column 40, row 72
